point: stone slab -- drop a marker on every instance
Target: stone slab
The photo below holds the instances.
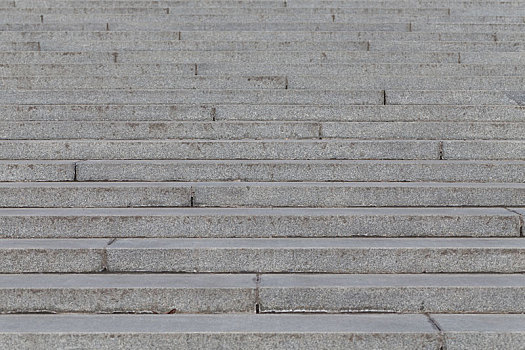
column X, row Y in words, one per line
column 403, row 82
column 471, row 332
column 191, row 96
column 52, row 255
column 137, row 293
column 438, row 293
column 254, row 223
column 106, row 113
column 216, row 46
column 230, row 331
column 36, row 171
column 439, row 113
column 300, row 170
column 451, row 97
column 54, row 72
column 483, row 149
column 162, row 130
column 251, row 112
column 219, row 149
column 354, row 72
column 269, row 57
column 90, row 194
column 143, row 82
column 425, row 130
column 330, row 255
column 239, row 130
column 366, row 194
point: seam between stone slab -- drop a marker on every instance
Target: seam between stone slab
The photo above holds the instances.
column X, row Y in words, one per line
column 521, row 219
column 258, row 277
column 105, row 255
column 439, row 330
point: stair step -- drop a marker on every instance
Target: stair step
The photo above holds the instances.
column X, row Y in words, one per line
column 153, row 82
column 459, row 97
column 265, row 96
column 133, row 293
column 177, row 130
column 40, row 170
column 273, row 45
column 251, row 112
column 193, row 96
column 205, row 293
column 287, row 15
column 259, row 223
column 392, row 25
column 439, row 293
column 295, row 82
column 354, row 331
column 259, row 194
column 50, row 255
column 277, row 170
column 265, row 255
column 240, row 35
column 345, row 194
column 251, row 10
column 353, row 72
column 239, row 130
column 238, row 57
column 218, row 46
column 399, row 82
column 444, row 72
column 240, row 149
column 322, row 332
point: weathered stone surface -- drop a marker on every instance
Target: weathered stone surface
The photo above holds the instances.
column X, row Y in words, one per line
column 366, row 194
column 90, row 194
column 483, row 149
column 253, row 223
column 475, row 331
column 189, row 96
column 246, row 157
column 450, row 97
column 216, row 331
column 296, row 170
column 331, row 255
column 107, row 112
column 52, row 255
column 143, row 82
column 381, row 113
column 37, row 170
column 219, row 149
column 163, row 130
column 107, row 293
column 441, row 293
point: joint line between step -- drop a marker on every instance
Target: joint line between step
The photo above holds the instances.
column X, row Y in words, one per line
column 437, row 327
column 521, row 220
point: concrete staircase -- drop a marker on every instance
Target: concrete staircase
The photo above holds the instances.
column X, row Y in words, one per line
column 262, row 174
